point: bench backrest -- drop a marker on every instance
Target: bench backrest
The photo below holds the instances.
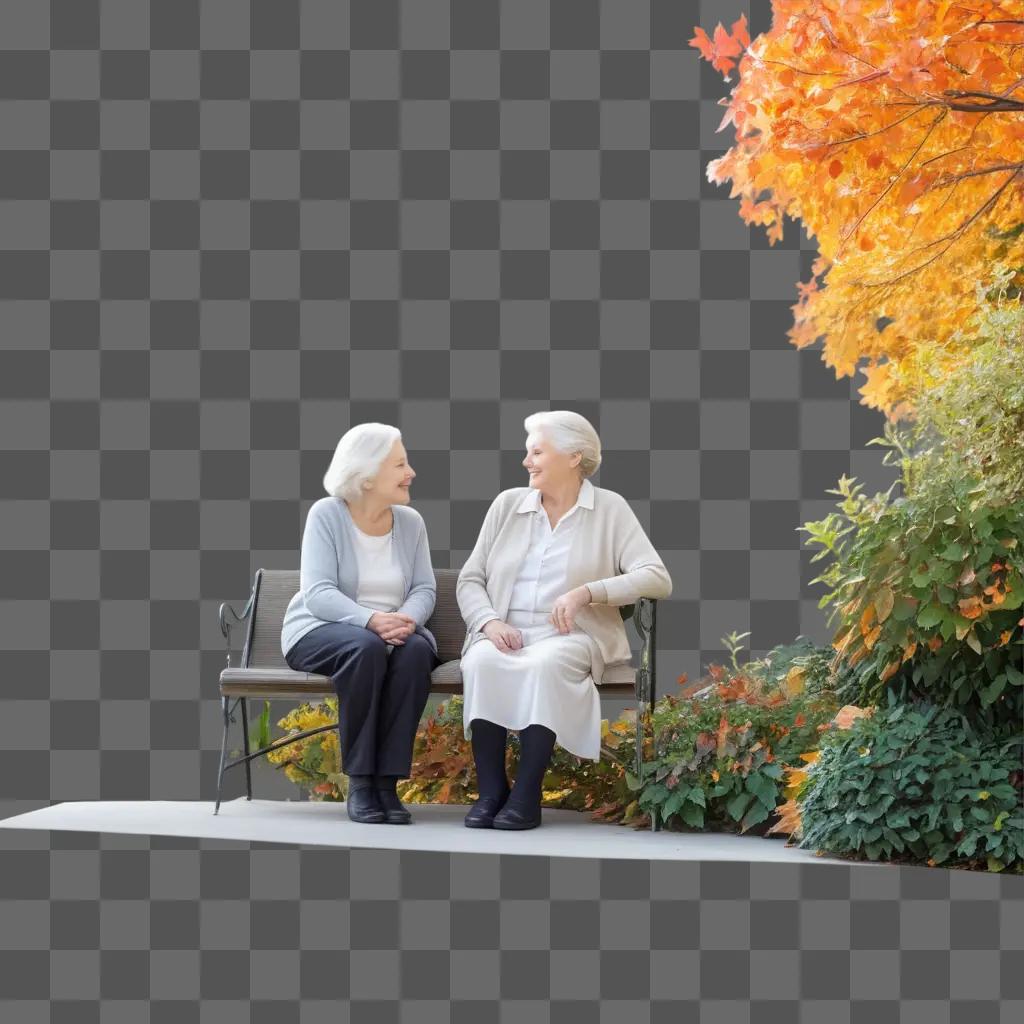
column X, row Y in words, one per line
column 276, row 587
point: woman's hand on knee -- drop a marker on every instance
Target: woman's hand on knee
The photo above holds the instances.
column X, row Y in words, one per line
column 563, row 611
column 392, row 627
column 505, row 637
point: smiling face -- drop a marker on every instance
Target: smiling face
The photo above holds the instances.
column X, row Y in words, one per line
column 391, row 484
column 550, row 470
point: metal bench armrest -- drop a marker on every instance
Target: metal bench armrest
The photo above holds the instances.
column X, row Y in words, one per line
column 226, row 626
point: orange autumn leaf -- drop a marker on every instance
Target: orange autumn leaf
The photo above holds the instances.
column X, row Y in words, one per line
column 789, row 819
column 865, row 619
column 721, row 50
column 894, row 133
column 847, row 715
column 723, row 732
column 889, row 670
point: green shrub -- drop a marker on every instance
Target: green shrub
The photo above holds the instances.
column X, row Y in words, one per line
column 928, row 590
column 720, row 757
column 919, row 781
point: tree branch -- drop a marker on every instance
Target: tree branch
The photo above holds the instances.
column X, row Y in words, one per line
column 951, row 237
column 948, row 178
column 888, row 188
column 1001, row 103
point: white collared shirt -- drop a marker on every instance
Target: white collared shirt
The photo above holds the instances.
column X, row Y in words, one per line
column 543, row 572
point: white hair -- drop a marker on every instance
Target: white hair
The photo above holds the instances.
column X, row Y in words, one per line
column 568, row 432
column 358, row 458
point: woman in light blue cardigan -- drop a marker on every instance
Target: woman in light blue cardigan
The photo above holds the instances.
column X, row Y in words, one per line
column 366, row 589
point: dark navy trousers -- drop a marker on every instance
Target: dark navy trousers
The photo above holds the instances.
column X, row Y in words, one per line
column 381, row 695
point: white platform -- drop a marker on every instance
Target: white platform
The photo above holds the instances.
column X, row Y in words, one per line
column 436, row 827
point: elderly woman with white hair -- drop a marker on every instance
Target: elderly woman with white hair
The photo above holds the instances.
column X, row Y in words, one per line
column 540, row 594
column 366, row 589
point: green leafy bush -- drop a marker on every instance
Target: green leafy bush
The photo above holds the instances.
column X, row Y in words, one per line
column 720, row 756
column 917, row 781
column 928, row 590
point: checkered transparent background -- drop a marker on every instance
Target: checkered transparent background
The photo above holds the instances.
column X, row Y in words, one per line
column 230, row 230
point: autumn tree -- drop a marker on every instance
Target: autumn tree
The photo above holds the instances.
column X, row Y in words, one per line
column 895, row 132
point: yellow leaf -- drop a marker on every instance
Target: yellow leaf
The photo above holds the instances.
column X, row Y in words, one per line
column 795, row 680
column 884, row 600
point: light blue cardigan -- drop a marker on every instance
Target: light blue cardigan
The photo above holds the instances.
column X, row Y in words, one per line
column 329, row 572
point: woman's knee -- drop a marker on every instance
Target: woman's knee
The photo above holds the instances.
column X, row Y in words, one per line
column 417, row 646
column 368, row 651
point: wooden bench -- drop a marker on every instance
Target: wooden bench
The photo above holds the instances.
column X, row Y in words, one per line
column 263, row 673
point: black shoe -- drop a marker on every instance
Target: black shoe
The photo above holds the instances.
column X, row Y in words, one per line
column 363, row 806
column 481, row 814
column 512, row 817
column 395, row 812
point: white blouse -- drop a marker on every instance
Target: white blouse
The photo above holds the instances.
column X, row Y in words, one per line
column 543, row 572
column 381, row 585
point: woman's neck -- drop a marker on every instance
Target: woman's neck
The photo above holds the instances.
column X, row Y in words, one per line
column 561, row 499
column 375, row 518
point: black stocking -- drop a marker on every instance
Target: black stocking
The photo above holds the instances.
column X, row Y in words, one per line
column 488, row 741
column 536, row 742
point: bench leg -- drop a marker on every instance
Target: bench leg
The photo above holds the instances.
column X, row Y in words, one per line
column 655, row 821
column 640, row 744
column 223, row 750
column 245, row 747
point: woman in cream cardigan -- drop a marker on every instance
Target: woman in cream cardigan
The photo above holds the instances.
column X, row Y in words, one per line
column 366, row 589
column 540, row 594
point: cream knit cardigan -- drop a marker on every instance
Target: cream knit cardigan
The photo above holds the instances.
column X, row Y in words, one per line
column 610, row 553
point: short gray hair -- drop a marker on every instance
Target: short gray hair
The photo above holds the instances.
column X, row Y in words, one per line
column 568, row 432
column 358, row 457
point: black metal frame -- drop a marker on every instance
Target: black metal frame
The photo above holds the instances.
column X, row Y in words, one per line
column 644, row 615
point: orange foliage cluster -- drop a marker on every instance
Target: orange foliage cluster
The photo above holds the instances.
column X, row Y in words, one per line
column 895, row 133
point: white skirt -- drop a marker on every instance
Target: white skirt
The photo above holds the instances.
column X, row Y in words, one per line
column 547, row 681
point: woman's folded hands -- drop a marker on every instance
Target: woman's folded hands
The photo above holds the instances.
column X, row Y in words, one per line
column 392, row 627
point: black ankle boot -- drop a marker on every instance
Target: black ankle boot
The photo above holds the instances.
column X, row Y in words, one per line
column 515, row 818
column 395, row 812
column 362, row 804
column 481, row 814
column 522, row 810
